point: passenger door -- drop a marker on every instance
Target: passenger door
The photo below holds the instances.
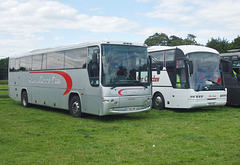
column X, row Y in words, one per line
column 92, row 97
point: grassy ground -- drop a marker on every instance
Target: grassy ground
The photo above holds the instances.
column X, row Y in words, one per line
column 40, row 135
column 3, row 89
column 3, row 81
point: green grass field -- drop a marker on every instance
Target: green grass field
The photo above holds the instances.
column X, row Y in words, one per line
column 3, row 81
column 3, row 89
column 40, row 135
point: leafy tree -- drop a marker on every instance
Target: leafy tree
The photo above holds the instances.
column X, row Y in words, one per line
column 221, row 45
column 175, row 41
column 157, row 39
column 190, row 40
column 4, row 69
column 235, row 44
column 163, row 40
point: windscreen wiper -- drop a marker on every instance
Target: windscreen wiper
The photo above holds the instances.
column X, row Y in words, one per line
column 114, row 86
column 214, row 82
column 202, row 88
column 129, row 83
column 120, row 83
column 139, row 83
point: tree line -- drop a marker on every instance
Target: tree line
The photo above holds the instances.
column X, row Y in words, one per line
column 4, row 69
column 221, row 45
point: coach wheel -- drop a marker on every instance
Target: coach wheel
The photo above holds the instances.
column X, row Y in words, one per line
column 24, row 99
column 75, row 107
column 158, row 101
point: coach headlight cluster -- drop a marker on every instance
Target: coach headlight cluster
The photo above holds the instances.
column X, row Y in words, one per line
column 105, row 101
column 147, row 100
column 196, row 97
column 223, row 95
column 112, row 101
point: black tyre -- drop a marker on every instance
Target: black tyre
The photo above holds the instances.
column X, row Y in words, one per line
column 75, row 107
column 24, row 99
column 158, row 101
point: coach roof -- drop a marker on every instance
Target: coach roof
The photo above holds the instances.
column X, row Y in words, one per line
column 185, row 48
column 74, row 46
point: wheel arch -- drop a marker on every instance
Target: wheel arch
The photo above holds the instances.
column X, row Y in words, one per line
column 24, row 89
column 158, row 93
column 24, row 97
column 71, row 96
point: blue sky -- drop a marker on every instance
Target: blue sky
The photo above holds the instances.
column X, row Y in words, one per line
column 33, row 24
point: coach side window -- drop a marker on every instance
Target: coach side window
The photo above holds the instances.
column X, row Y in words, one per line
column 12, row 65
column 17, row 64
column 181, row 72
column 76, row 58
column 170, row 64
column 26, row 63
column 93, row 65
column 157, row 60
column 44, row 61
column 37, row 62
column 55, row 60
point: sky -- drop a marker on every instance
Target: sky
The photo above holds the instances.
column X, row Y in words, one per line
column 26, row 25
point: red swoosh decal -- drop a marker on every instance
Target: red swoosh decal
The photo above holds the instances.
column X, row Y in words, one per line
column 66, row 76
column 120, row 91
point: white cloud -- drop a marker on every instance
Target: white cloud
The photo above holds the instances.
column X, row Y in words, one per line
column 16, row 45
column 195, row 13
column 23, row 21
column 174, row 10
column 219, row 12
column 213, row 18
column 31, row 16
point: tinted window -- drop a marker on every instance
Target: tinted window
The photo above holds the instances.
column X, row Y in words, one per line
column 26, row 63
column 226, row 66
column 12, row 64
column 181, row 72
column 93, row 65
column 170, row 65
column 124, row 65
column 37, row 62
column 206, row 71
column 76, row 58
column 44, row 61
column 157, row 60
column 17, row 64
column 236, row 63
column 55, row 60
column 169, row 57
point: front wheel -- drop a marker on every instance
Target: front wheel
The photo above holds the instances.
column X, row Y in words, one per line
column 158, row 101
column 75, row 107
column 24, row 99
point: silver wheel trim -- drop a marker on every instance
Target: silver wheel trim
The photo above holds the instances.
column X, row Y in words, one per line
column 24, row 101
column 75, row 107
column 158, row 101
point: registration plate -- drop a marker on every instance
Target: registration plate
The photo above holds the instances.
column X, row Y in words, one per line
column 130, row 109
column 212, row 103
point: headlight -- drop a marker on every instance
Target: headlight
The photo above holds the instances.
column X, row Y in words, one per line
column 105, row 101
column 110, row 101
